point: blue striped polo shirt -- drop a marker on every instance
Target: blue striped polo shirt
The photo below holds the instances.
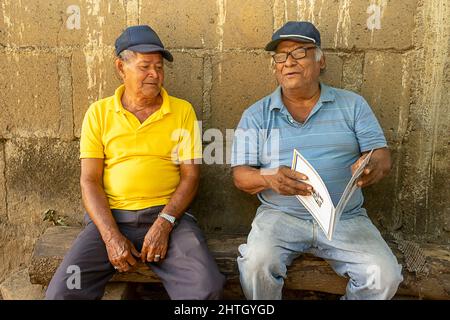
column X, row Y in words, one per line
column 339, row 128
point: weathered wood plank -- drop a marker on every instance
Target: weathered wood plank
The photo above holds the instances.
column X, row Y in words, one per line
column 306, row 273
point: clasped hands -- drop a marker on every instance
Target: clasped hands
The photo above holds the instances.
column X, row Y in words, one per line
column 123, row 255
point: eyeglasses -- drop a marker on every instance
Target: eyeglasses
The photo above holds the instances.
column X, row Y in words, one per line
column 297, row 54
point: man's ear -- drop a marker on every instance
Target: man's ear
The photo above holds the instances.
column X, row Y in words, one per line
column 323, row 63
column 119, row 67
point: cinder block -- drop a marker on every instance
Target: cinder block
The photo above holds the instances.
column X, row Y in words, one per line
column 30, row 23
column 233, row 211
column 94, row 78
column 41, row 175
column 17, row 243
column 100, row 24
column 397, row 24
column 386, row 88
column 352, row 71
column 378, row 199
column 439, row 224
column 50, row 24
column 184, row 79
column 345, row 23
column 3, row 213
column 183, row 24
column 248, row 24
column 65, row 97
column 239, row 80
column 333, row 73
column 29, row 95
column 324, row 15
column 18, row 287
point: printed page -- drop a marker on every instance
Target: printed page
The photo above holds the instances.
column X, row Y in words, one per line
column 319, row 204
column 351, row 186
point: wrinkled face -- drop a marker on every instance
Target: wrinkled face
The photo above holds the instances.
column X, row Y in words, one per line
column 142, row 74
column 301, row 73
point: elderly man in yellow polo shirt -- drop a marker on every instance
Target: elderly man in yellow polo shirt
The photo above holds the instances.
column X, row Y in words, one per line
column 138, row 177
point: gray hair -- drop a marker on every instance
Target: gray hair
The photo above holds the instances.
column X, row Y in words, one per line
column 318, row 54
column 127, row 55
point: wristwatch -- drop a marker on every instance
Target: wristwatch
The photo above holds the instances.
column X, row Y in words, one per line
column 168, row 217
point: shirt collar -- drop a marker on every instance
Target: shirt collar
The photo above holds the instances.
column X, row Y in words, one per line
column 118, row 107
column 165, row 107
column 276, row 101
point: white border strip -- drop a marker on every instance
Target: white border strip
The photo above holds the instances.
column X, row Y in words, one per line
column 297, row 36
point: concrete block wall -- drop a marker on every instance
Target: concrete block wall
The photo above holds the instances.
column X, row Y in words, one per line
column 56, row 57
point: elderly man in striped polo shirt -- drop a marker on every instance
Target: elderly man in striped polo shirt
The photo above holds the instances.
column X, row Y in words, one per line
column 333, row 129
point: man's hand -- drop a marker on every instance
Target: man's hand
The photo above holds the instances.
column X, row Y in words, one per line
column 156, row 241
column 286, row 182
column 120, row 252
column 378, row 167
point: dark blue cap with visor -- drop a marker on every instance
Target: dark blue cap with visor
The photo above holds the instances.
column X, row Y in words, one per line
column 300, row 31
column 141, row 39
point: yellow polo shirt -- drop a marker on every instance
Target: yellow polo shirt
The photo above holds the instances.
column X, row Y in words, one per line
column 141, row 161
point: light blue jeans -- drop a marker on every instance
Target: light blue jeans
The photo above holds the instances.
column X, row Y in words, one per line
column 357, row 252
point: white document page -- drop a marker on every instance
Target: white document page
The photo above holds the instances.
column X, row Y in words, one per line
column 319, row 204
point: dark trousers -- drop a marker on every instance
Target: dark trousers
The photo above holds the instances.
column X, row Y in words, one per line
column 188, row 272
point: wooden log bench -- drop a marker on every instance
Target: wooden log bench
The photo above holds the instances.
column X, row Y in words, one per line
column 306, row 273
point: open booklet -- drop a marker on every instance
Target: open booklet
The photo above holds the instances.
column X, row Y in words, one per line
column 319, row 204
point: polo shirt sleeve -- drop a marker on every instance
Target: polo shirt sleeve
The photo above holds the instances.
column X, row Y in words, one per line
column 90, row 141
column 246, row 142
column 190, row 143
column 368, row 130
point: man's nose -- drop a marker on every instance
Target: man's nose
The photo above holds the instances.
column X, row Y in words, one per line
column 290, row 61
column 153, row 73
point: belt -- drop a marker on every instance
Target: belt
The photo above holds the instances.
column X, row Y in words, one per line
column 147, row 215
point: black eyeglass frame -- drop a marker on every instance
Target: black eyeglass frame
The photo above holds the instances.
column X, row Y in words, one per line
column 286, row 54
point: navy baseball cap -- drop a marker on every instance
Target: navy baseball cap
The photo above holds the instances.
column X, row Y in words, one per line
column 300, row 31
column 141, row 39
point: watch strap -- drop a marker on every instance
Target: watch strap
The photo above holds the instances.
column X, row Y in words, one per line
column 168, row 217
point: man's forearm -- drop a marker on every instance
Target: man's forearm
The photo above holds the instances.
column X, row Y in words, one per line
column 182, row 197
column 249, row 179
column 97, row 206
